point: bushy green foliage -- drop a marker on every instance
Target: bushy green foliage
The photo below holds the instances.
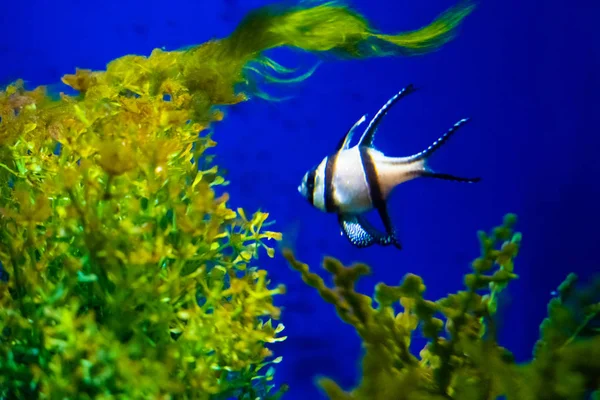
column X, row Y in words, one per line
column 462, row 359
column 130, row 275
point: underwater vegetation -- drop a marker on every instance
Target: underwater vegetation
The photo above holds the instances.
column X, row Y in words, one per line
column 125, row 271
column 462, row 358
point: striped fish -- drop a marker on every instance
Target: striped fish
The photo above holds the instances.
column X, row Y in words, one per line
column 354, row 180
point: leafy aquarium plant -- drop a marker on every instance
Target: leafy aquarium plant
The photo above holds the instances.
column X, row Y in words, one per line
column 462, row 359
column 126, row 271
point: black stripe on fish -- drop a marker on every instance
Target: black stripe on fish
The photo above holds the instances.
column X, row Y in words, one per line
column 370, row 170
column 310, row 186
column 369, row 133
column 330, row 205
column 377, row 199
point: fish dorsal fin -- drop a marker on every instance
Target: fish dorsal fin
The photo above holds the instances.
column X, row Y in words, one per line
column 345, row 142
column 369, row 133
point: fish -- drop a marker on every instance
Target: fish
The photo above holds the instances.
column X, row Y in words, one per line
column 355, row 180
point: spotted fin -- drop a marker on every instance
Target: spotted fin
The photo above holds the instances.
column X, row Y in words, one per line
column 345, row 142
column 369, row 134
column 362, row 234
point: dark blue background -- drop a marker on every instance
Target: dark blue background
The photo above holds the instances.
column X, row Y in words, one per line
column 525, row 72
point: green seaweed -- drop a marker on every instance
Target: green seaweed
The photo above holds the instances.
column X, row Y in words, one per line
column 131, row 276
column 462, row 359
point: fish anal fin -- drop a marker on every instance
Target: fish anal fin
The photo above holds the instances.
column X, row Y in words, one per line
column 381, row 207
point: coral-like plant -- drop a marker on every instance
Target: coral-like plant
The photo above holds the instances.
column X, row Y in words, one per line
column 462, row 359
column 126, row 272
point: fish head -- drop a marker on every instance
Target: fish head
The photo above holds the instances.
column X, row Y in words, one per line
column 307, row 185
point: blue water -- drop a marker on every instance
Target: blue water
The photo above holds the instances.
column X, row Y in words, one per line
column 525, row 72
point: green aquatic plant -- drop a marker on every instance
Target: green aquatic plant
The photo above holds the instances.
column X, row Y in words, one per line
column 462, row 358
column 129, row 274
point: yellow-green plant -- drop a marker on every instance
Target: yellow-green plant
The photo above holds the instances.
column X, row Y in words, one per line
column 462, row 359
column 130, row 275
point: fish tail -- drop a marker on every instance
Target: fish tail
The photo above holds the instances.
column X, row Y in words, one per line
column 427, row 173
column 425, row 154
column 421, row 158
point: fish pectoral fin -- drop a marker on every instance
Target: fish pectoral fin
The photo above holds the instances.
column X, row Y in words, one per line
column 362, row 234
